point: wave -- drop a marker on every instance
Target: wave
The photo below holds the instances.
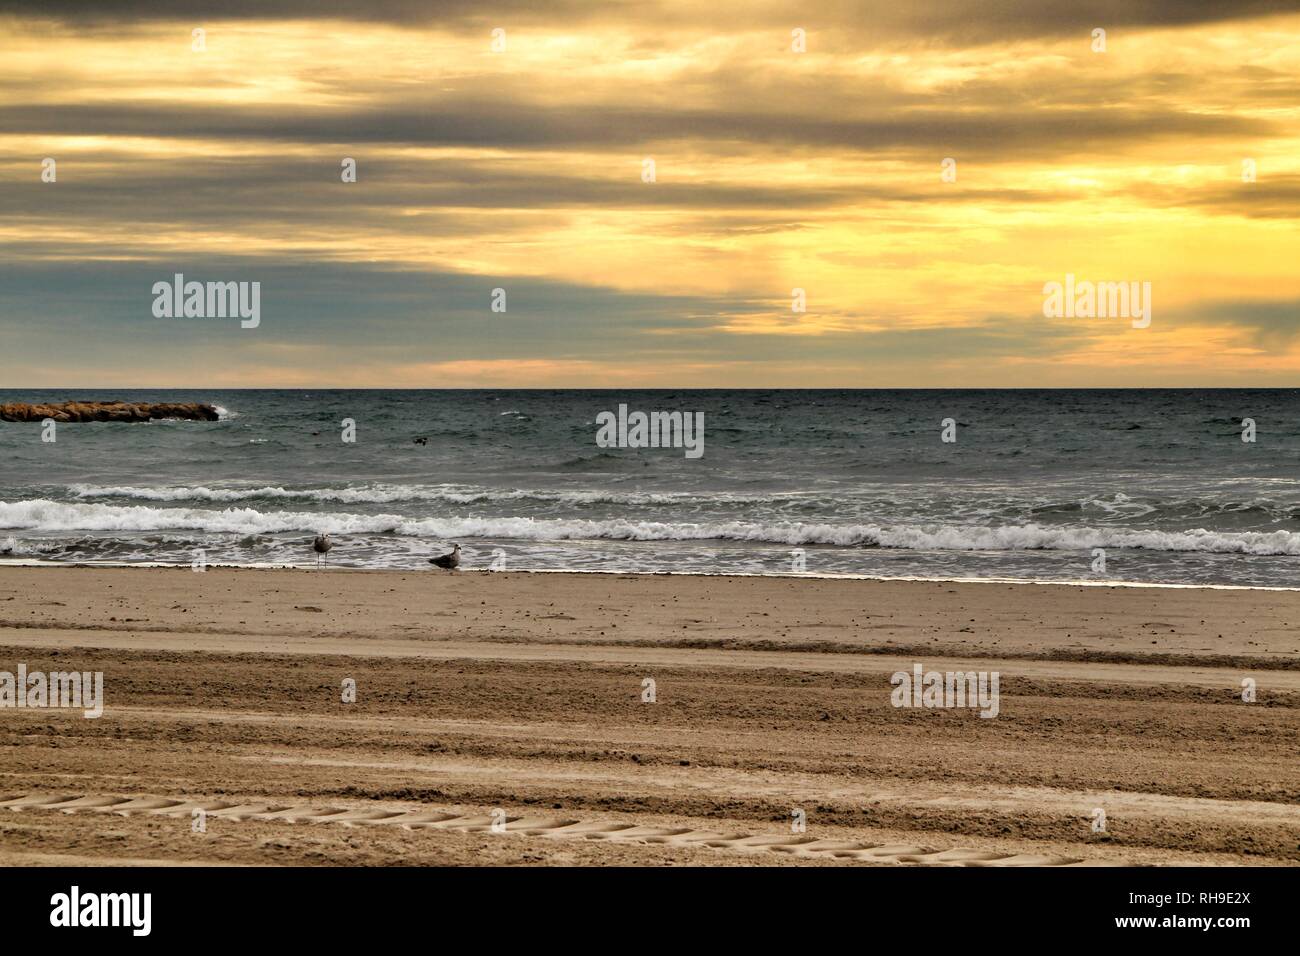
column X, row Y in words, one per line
column 384, row 494
column 1117, row 507
column 43, row 515
column 374, row 494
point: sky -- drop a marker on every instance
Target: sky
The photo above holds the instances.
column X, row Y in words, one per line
column 649, row 183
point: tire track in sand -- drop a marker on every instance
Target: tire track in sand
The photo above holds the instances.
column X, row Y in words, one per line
column 538, row 827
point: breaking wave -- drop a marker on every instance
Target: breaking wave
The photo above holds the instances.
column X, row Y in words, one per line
column 44, row 515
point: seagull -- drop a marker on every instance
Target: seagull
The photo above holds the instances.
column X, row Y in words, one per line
column 322, row 546
column 450, row 561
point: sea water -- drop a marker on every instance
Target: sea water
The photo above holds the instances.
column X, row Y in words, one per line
column 1138, row 486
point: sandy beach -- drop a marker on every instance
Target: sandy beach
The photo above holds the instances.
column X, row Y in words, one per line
column 501, row 718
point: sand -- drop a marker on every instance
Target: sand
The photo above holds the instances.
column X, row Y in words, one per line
column 499, row 719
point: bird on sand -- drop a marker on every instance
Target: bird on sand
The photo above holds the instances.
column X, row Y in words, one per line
column 322, row 547
column 450, row 560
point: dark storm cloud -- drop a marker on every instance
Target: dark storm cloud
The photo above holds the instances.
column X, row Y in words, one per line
column 1270, row 197
column 269, row 193
column 401, row 12
column 1270, row 324
column 497, row 124
column 941, row 21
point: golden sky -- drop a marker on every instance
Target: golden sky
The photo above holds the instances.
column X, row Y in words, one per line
column 516, row 160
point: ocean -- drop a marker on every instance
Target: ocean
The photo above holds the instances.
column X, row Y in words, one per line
column 1137, row 486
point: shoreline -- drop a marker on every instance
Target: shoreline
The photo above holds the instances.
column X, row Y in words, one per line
column 806, row 575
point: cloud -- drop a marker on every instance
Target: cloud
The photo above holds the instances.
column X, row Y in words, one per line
column 1270, row 325
column 947, row 21
column 523, row 171
column 503, row 125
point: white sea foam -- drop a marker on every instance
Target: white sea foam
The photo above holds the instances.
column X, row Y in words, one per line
column 43, row 515
column 376, row 494
column 1116, row 508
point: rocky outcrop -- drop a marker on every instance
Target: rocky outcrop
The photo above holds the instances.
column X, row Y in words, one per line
column 108, row 411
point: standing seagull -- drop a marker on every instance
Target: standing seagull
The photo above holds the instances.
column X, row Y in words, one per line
column 322, row 548
column 450, row 560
